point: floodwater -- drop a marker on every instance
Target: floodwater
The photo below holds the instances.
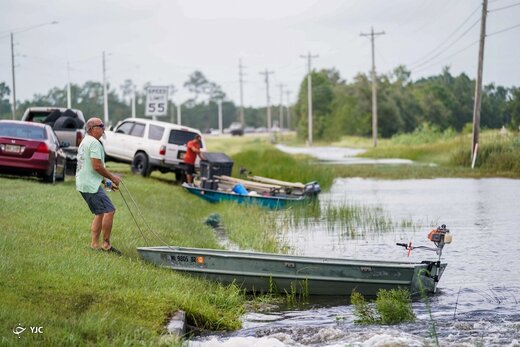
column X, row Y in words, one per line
column 478, row 298
column 339, row 155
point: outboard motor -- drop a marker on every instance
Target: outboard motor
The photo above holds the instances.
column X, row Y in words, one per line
column 440, row 236
column 312, row 189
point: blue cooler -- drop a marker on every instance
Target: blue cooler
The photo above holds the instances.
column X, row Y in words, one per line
column 240, row 189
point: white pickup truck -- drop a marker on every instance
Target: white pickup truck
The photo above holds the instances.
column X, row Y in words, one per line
column 149, row 145
column 68, row 124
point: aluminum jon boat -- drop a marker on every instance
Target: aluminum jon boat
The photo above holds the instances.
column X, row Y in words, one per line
column 268, row 272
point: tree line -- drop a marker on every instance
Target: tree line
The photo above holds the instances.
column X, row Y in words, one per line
column 444, row 100
column 339, row 107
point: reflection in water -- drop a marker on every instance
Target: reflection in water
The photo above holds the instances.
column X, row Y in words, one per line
column 478, row 302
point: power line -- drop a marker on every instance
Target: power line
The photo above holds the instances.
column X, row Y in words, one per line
column 450, row 45
column 504, row 30
column 448, row 38
column 504, row 7
column 448, row 57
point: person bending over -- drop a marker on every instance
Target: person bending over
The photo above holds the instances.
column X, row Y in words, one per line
column 193, row 150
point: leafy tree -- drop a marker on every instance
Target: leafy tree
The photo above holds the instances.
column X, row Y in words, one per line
column 463, row 90
column 199, row 85
column 127, row 89
column 322, row 97
column 493, row 111
column 513, row 107
column 5, row 105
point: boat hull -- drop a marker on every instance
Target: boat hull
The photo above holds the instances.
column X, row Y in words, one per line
column 273, row 202
column 267, row 272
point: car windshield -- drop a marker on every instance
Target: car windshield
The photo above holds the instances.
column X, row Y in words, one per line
column 22, row 131
column 181, row 137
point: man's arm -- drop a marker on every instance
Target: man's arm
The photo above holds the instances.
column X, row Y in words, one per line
column 97, row 165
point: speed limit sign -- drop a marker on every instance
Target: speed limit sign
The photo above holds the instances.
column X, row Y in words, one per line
column 156, row 101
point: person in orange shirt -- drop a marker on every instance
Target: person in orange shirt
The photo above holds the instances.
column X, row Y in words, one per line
column 193, row 150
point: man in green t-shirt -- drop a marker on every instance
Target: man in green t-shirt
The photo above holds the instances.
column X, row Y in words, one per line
column 90, row 173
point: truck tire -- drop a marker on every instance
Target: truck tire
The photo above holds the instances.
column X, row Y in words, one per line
column 71, row 114
column 52, row 117
column 140, row 165
column 65, row 123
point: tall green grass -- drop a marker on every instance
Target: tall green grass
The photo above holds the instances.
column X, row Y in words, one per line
column 425, row 134
column 443, row 154
column 269, row 162
column 349, row 220
column 497, row 152
column 392, row 306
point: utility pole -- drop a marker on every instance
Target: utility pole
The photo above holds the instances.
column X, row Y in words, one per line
column 220, row 116
column 172, row 111
column 309, row 95
column 241, row 82
column 372, row 35
column 267, row 73
column 14, row 83
column 105, row 94
column 179, row 119
column 12, row 60
column 69, row 97
column 281, row 105
column 288, row 93
column 133, row 101
column 478, row 85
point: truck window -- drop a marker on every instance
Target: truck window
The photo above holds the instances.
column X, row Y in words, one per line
column 138, row 130
column 155, row 132
column 181, row 137
column 125, row 128
column 38, row 117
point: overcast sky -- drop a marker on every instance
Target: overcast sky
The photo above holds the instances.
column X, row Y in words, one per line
column 163, row 42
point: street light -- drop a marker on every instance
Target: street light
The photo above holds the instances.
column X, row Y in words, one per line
column 17, row 31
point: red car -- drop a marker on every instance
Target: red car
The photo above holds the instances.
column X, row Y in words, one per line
column 31, row 149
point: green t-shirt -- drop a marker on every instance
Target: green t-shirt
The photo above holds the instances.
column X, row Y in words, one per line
column 87, row 179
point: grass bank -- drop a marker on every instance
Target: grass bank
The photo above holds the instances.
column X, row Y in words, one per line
column 445, row 154
column 50, row 277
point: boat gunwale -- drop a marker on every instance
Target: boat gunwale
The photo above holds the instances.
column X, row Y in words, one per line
column 277, row 198
column 285, row 257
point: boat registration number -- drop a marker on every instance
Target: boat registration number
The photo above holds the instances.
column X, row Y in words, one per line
column 181, row 258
